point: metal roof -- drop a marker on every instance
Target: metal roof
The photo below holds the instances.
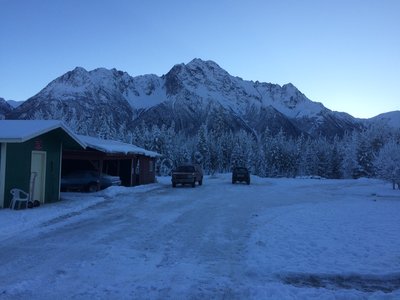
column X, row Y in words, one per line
column 112, row 146
column 19, row 131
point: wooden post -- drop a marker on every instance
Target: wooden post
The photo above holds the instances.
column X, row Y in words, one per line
column 131, row 175
column 100, row 172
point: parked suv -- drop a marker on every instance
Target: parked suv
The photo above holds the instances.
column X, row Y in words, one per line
column 187, row 174
column 240, row 174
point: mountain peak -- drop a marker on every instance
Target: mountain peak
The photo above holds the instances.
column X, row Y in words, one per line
column 290, row 89
column 78, row 70
column 198, row 62
column 206, row 66
column 289, row 86
column 193, row 75
column 100, row 75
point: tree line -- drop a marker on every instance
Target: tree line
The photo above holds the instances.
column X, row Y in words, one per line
column 371, row 152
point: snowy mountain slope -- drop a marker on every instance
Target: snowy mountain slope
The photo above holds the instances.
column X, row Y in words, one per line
column 5, row 108
column 189, row 95
column 391, row 119
column 248, row 100
column 14, row 103
column 209, row 81
column 90, row 102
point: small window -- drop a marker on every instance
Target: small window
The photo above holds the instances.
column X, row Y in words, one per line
column 151, row 166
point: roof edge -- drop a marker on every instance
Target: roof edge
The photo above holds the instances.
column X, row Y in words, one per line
column 72, row 135
column 53, row 124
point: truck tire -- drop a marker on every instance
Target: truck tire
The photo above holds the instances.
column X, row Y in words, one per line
column 92, row 187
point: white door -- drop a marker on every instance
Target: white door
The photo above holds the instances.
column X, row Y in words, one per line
column 2, row 172
column 38, row 176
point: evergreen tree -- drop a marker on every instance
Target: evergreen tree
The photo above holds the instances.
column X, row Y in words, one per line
column 364, row 157
column 349, row 154
column 387, row 162
column 226, row 148
column 238, row 158
column 323, row 156
column 335, row 162
column 202, row 154
column 215, row 153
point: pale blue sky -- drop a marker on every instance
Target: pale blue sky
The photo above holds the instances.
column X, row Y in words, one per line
column 343, row 53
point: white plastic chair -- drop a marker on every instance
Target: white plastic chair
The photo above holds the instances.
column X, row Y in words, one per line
column 19, row 196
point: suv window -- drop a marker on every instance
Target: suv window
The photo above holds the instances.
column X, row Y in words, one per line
column 185, row 169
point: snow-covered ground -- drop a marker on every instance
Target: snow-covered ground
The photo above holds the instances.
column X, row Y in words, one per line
column 274, row 239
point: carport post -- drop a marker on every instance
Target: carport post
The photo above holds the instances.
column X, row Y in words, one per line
column 133, row 166
column 100, row 172
column 131, row 173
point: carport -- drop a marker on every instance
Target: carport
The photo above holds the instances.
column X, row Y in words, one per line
column 134, row 165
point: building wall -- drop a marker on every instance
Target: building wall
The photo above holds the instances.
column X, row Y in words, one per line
column 147, row 170
column 18, row 165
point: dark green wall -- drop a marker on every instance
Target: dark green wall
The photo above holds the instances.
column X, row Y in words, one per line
column 18, row 166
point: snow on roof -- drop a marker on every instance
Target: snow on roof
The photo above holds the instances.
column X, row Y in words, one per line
column 111, row 146
column 19, row 131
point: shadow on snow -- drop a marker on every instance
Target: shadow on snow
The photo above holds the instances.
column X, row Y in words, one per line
column 364, row 283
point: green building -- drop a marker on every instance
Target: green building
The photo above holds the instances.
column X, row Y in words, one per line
column 31, row 156
column 34, row 154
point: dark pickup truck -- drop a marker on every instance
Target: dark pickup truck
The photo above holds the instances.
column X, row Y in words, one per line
column 240, row 174
column 187, row 174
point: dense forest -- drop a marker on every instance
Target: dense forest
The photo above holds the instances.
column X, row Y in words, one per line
column 371, row 152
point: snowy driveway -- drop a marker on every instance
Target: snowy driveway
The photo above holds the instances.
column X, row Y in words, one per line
column 275, row 239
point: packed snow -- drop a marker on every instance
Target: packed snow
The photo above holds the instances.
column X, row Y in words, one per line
column 274, row 239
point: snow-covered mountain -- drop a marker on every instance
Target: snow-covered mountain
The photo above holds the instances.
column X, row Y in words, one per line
column 15, row 103
column 90, row 102
column 200, row 92
column 391, row 119
column 5, row 108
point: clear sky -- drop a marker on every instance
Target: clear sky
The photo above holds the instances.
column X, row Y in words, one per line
column 343, row 53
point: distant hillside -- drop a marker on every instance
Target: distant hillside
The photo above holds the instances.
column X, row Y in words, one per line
column 5, row 108
column 391, row 119
column 14, row 103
